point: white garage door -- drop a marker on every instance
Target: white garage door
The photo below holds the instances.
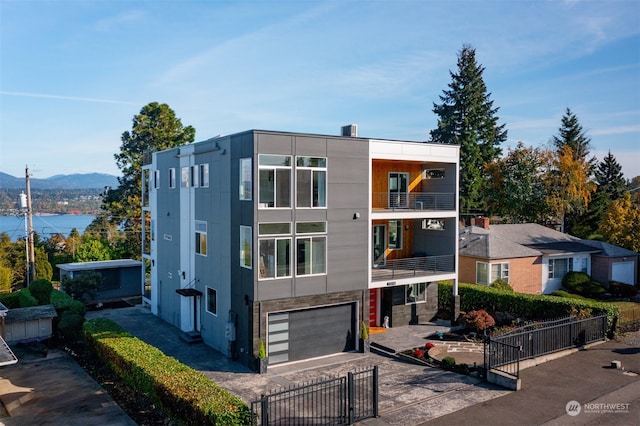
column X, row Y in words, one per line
column 622, row 272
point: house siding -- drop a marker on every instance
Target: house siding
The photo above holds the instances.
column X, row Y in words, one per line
column 525, row 274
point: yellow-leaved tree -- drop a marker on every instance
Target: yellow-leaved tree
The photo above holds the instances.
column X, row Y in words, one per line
column 620, row 224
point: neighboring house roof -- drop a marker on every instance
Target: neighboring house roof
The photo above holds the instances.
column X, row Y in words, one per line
column 30, row 314
column 609, row 250
column 564, row 247
column 486, row 246
column 102, row 264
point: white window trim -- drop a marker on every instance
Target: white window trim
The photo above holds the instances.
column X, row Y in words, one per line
column 198, row 234
column 246, row 167
column 243, row 229
column 275, row 187
column 313, row 170
column 291, row 265
column 417, row 301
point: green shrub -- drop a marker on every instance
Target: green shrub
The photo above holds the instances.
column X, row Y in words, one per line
column 63, row 302
column 70, row 325
column 580, row 283
column 187, row 394
column 622, row 290
column 84, row 286
column 41, row 289
column 448, row 363
column 478, row 320
column 501, row 285
column 529, row 306
column 462, row 369
column 10, row 300
column 562, row 293
column 26, row 298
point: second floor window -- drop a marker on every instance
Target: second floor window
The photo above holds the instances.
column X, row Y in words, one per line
column 274, row 250
column 275, row 181
column 201, row 237
column 311, row 248
column 311, row 182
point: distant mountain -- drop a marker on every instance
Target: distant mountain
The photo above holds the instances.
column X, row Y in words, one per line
column 74, row 181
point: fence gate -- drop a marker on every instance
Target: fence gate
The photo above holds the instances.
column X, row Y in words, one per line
column 335, row 401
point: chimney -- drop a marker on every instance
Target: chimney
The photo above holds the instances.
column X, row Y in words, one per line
column 482, row 222
column 350, row 131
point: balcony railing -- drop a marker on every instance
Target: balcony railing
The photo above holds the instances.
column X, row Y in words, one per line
column 413, row 267
column 434, row 201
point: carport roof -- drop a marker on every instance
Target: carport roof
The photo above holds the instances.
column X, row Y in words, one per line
column 102, row 264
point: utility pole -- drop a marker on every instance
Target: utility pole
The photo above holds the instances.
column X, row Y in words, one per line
column 31, row 273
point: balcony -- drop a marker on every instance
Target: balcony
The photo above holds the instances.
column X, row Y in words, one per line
column 414, row 201
column 413, row 267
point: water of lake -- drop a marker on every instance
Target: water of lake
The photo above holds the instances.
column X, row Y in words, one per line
column 45, row 226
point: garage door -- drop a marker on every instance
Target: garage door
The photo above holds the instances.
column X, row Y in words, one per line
column 310, row 333
column 622, row 272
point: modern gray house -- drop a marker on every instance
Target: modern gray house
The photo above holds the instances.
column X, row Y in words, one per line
column 294, row 239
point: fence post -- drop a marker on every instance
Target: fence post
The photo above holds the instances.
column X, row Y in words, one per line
column 375, row 391
column 350, row 398
column 264, row 408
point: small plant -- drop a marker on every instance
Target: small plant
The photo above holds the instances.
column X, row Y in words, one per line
column 262, row 351
column 448, row 363
column 462, row 369
column 428, row 345
column 364, row 331
column 418, row 353
column 478, row 320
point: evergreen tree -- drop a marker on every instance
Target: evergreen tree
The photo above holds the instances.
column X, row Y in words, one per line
column 609, row 178
column 156, row 128
column 571, row 134
column 466, row 117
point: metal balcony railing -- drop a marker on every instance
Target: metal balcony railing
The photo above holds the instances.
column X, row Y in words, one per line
column 413, row 267
column 434, row 201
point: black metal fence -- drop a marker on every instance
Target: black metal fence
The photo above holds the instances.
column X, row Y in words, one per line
column 335, row 401
column 504, row 352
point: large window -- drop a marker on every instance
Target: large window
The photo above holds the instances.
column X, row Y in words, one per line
column 275, row 250
column 246, row 246
column 245, row 179
column 559, row 267
column 212, row 301
column 416, row 293
column 487, row 273
column 275, row 181
column 201, row 237
column 311, row 249
column 395, row 234
column 311, row 182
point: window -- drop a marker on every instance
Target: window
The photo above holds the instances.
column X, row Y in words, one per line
column 311, row 182
column 395, row 234
column 487, row 273
column 172, row 178
column 584, row 265
column 184, row 183
column 274, row 252
column 311, row 251
column 416, row 293
column 245, row 179
column 201, row 237
column 212, row 301
column 156, row 179
column 194, row 176
column 398, row 190
column 145, row 187
column 433, row 174
column 275, row 181
column 204, row 175
column 482, row 273
column 246, row 246
column 559, row 267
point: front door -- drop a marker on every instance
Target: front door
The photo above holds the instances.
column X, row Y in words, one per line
column 379, row 245
column 398, row 190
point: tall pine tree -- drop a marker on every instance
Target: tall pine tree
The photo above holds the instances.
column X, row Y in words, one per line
column 466, row 117
column 572, row 134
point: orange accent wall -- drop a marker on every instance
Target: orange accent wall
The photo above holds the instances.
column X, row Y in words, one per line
column 407, row 240
column 381, row 169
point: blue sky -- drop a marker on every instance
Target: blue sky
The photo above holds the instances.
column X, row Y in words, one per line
column 74, row 73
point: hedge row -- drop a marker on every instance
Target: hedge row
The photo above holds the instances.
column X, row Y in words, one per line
column 186, row 394
column 529, row 306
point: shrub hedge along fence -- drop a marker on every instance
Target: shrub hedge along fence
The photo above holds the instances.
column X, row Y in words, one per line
column 188, row 395
column 528, row 306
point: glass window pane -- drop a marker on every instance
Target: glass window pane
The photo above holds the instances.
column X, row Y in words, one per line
column 267, row 258
column 319, row 188
column 283, row 188
column 212, row 303
column 274, row 228
column 284, row 257
column 318, row 250
column 267, row 188
column 311, row 162
column 275, row 160
column 311, row 227
column 481, row 273
column 245, row 246
column 245, row 179
column 395, row 234
column 303, row 255
column 303, row 185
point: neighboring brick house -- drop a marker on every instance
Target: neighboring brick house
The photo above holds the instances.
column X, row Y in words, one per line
column 295, row 238
column 534, row 258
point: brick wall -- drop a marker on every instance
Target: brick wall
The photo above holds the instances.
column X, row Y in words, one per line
column 525, row 274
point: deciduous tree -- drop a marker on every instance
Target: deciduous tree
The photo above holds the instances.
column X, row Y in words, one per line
column 467, row 117
column 620, row 224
